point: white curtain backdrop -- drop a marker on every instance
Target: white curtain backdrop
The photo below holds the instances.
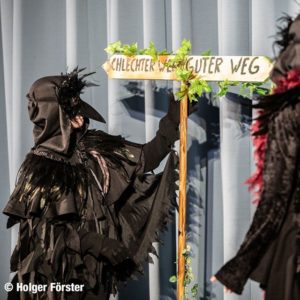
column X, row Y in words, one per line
column 42, row 37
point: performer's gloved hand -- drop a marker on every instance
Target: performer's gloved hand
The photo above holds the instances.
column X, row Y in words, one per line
column 168, row 125
column 166, row 136
column 173, row 113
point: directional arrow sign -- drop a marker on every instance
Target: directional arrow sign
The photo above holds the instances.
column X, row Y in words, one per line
column 209, row 68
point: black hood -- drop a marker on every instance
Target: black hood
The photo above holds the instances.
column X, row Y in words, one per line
column 52, row 102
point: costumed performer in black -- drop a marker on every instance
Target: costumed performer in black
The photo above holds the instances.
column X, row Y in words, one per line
column 88, row 212
column 270, row 252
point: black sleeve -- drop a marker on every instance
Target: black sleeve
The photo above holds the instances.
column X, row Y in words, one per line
column 155, row 150
column 278, row 183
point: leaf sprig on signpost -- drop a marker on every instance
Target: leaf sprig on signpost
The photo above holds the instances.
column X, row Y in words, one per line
column 132, row 49
column 191, row 85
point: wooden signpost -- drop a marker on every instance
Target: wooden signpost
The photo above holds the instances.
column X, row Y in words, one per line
column 209, row 68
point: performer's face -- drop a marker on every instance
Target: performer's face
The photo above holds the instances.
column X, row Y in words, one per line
column 77, row 121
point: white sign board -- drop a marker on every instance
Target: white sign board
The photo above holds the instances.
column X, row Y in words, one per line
column 209, row 68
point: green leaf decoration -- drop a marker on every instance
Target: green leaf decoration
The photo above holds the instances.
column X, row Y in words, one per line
column 142, row 51
column 180, row 94
column 224, row 87
column 268, row 58
column 247, row 89
column 194, row 290
column 190, row 293
column 130, row 50
column 151, row 50
column 206, row 53
column 173, row 279
column 179, row 60
column 188, row 260
column 114, row 48
column 185, row 48
column 197, row 88
column 183, row 74
column 164, row 52
column 261, row 91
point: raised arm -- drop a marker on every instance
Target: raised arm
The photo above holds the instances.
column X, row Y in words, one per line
column 278, row 181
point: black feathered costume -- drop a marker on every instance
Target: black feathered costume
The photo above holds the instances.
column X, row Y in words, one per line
column 270, row 252
column 87, row 208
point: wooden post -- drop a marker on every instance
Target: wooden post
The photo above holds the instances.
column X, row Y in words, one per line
column 182, row 197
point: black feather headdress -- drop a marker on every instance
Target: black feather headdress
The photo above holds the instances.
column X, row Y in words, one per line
column 283, row 36
column 68, row 92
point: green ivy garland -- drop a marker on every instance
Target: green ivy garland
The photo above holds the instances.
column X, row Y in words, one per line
column 192, row 85
column 189, row 277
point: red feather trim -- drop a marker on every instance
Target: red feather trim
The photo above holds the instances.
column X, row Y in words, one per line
column 255, row 182
column 291, row 80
